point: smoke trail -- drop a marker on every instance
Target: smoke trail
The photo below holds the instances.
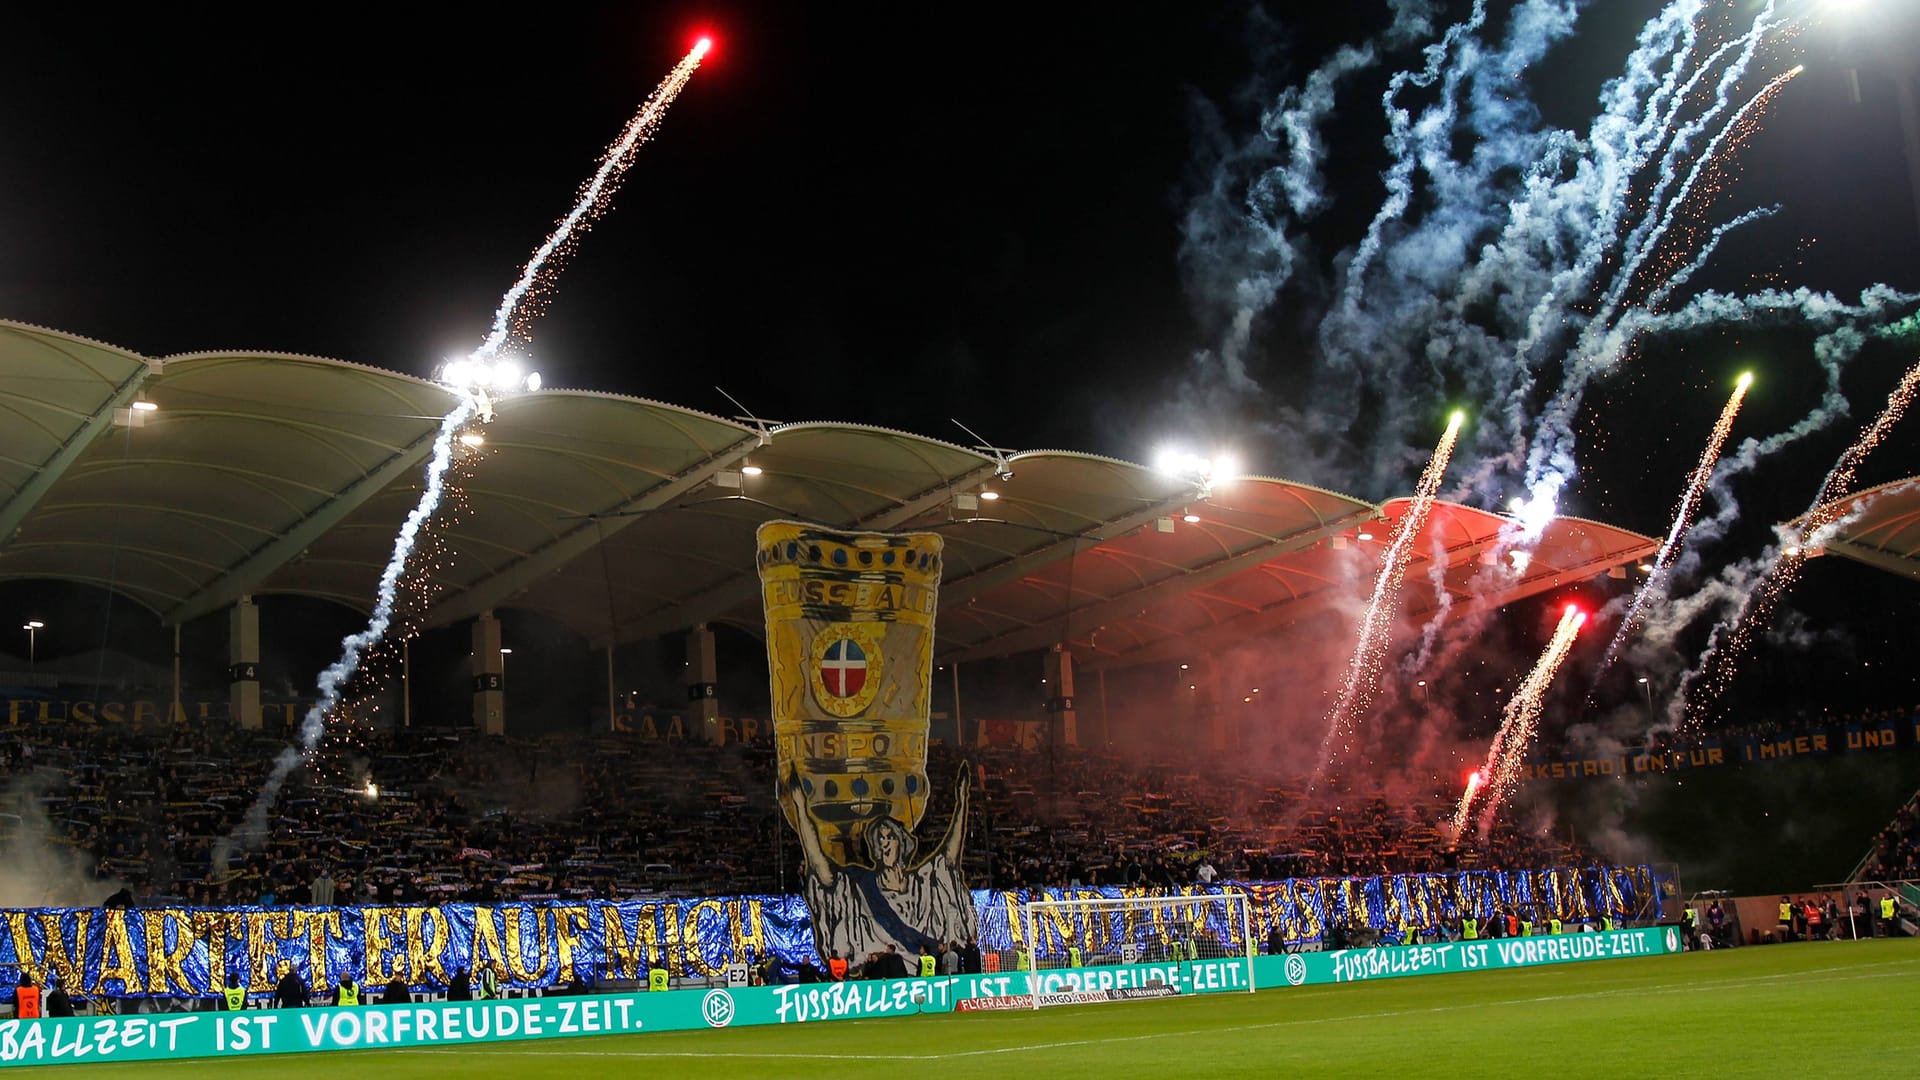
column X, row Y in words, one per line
column 524, row 302
column 1521, row 720
column 253, row 827
column 1376, row 623
column 1682, row 518
column 521, row 304
column 1781, row 565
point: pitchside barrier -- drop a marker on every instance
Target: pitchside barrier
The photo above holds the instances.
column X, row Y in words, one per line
column 89, row 1040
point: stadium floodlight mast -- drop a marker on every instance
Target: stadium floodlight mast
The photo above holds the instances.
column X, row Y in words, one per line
column 33, row 626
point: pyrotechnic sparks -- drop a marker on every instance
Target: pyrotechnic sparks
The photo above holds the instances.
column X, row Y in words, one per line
column 1520, row 722
column 1656, row 580
column 334, row 678
column 1370, row 651
column 524, row 302
column 1783, row 562
column 476, row 379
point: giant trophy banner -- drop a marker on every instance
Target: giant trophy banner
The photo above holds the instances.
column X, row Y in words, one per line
column 850, row 660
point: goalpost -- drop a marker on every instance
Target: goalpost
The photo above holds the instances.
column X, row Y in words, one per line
column 1069, row 948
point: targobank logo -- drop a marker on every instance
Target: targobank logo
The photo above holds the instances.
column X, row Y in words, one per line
column 717, row 1008
column 1296, row 969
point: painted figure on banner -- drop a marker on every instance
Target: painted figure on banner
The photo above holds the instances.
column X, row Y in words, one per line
column 850, row 661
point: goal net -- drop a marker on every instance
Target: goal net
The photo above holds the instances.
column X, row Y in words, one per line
column 1101, row 949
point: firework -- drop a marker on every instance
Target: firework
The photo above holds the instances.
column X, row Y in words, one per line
column 1784, row 562
column 524, row 302
column 1521, row 720
column 477, row 378
column 1682, row 519
column 1370, row 651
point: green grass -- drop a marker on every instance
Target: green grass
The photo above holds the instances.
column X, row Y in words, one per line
column 1812, row 1008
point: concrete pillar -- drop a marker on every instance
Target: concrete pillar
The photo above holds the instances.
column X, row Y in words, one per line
column 489, row 696
column 243, row 664
column 1063, row 728
column 703, row 690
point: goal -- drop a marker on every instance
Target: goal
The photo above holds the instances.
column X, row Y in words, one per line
column 1108, row 949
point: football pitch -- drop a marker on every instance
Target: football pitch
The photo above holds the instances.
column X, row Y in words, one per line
column 1844, row 1008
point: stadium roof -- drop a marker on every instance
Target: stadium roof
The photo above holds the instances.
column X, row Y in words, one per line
column 260, row 473
column 1879, row 526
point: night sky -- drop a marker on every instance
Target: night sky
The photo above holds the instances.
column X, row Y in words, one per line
column 902, row 214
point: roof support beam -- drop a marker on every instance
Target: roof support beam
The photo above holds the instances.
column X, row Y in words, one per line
column 1041, row 635
column 496, row 589
column 710, row 604
column 17, row 508
column 964, row 589
column 278, row 552
column 1874, row 557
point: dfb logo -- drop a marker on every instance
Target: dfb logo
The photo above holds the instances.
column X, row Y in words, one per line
column 717, row 1008
column 1296, row 969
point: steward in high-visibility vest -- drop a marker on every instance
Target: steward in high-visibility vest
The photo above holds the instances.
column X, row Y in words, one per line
column 1470, row 929
column 234, row 998
column 1073, row 956
column 1554, row 926
column 657, row 979
column 489, row 985
column 837, row 967
column 26, row 1001
column 929, row 967
column 349, row 992
column 1786, row 912
column 1526, row 927
column 1606, row 922
column 1193, row 949
column 1021, row 960
column 1886, row 907
column 990, row 962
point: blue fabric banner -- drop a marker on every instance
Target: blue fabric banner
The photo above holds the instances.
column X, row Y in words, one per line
column 195, row 952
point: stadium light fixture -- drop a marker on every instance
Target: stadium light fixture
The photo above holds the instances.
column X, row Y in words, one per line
column 1365, row 536
column 145, row 406
column 1190, row 517
column 988, row 495
column 33, row 627
column 1202, row 472
column 473, row 438
column 751, row 470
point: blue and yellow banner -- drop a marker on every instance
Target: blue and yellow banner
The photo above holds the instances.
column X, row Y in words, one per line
column 196, row 952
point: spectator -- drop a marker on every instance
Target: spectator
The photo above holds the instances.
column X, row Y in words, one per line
column 58, row 1003
column 289, row 992
column 396, row 993
column 323, row 887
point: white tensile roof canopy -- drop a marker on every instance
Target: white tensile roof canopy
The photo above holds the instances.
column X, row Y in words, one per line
column 261, row 473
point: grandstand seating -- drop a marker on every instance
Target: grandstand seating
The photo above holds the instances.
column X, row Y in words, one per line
column 458, row 816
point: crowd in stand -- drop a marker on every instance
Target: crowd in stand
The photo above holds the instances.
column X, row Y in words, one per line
column 1895, row 855
column 438, row 814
